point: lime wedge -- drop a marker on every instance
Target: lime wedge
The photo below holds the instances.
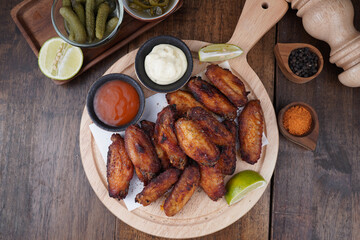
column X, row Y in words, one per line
column 219, row 52
column 59, row 60
column 241, row 184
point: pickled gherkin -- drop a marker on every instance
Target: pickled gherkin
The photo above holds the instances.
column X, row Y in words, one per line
column 111, row 25
column 87, row 20
column 66, row 3
column 98, row 2
column 80, row 12
column 74, row 24
column 90, row 19
column 101, row 17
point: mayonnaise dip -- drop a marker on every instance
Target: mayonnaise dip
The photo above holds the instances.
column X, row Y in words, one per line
column 165, row 64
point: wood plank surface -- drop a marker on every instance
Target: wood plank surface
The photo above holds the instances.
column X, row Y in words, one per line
column 44, row 193
column 317, row 194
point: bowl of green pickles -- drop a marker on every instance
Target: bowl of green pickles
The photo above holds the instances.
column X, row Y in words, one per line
column 87, row 23
column 150, row 10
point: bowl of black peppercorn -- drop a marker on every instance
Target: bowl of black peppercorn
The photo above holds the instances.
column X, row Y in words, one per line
column 299, row 62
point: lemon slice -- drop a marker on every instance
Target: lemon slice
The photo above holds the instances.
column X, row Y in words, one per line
column 219, row 52
column 241, row 184
column 59, row 60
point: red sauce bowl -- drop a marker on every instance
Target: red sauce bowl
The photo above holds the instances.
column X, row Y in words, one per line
column 104, row 81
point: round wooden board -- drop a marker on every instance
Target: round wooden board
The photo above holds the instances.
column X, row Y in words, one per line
column 200, row 216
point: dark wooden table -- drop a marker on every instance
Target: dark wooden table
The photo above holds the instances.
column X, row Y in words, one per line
column 44, row 193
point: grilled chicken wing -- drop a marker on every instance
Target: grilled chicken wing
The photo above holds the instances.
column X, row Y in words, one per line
column 120, row 169
column 183, row 101
column 166, row 138
column 195, row 143
column 231, row 86
column 211, row 98
column 212, row 182
column 142, row 153
column 149, row 128
column 227, row 160
column 182, row 191
column 216, row 131
column 158, row 186
column 251, row 124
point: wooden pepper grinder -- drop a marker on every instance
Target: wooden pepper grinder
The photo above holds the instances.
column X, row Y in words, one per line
column 332, row 22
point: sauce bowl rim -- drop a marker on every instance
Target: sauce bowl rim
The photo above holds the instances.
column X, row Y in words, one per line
column 99, row 83
column 146, row 48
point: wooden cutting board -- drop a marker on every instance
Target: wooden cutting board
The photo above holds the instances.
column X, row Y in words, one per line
column 200, row 216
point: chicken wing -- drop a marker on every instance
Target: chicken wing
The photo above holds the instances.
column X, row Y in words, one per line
column 216, row 131
column 231, row 86
column 183, row 101
column 195, row 143
column 212, row 98
column 142, row 153
column 158, row 186
column 212, row 182
column 166, row 138
column 251, row 124
column 149, row 128
column 227, row 160
column 182, row 191
column 119, row 168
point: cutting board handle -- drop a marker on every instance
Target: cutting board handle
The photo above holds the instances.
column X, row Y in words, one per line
column 257, row 17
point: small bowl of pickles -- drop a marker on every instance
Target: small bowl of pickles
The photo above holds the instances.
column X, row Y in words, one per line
column 87, row 23
column 150, row 10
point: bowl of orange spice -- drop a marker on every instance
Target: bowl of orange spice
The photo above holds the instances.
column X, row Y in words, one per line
column 298, row 122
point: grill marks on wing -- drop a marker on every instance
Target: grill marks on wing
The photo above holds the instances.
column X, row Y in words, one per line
column 183, row 190
column 158, row 186
column 216, row 131
column 119, row 168
column 142, row 153
column 212, row 182
column 195, row 143
column 212, row 98
column 166, row 138
column 230, row 85
column 227, row 160
column 251, row 126
column 183, row 101
column 149, row 128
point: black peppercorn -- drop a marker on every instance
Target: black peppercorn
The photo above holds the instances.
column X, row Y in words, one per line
column 303, row 62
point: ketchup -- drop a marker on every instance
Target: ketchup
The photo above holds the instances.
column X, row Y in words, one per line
column 116, row 103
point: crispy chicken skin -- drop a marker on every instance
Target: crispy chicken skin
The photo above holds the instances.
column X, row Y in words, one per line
column 227, row 160
column 212, row 98
column 158, row 186
column 231, row 86
column 119, row 168
column 251, row 124
column 212, row 182
column 183, row 101
column 216, row 131
column 182, row 191
column 149, row 128
column 166, row 138
column 142, row 153
column 195, row 143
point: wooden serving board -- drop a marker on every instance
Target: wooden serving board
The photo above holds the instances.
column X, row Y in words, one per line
column 200, row 216
column 33, row 18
